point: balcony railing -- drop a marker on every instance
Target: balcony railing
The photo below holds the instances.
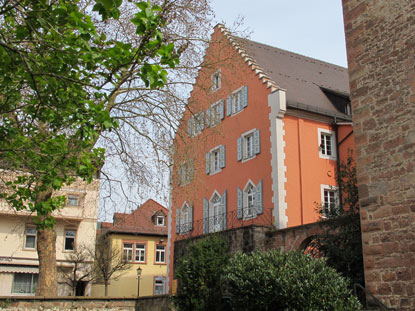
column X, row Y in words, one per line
column 221, row 222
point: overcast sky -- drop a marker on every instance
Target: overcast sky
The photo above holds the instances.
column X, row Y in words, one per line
column 312, row 28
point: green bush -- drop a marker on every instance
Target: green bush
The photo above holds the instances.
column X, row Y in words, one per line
column 199, row 275
column 286, row 281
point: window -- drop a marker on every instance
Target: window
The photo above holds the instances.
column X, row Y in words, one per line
column 196, row 124
column 160, row 254
column 215, row 113
column 327, row 143
column 72, row 200
column 70, row 240
column 215, row 160
column 215, row 212
column 30, row 241
column 185, row 173
column 249, row 200
column 24, row 283
column 159, row 285
column 140, row 253
column 237, row 101
column 329, row 197
column 184, row 219
column 248, row 145
column 216, row 80
column 128, row 252
column 160, row 221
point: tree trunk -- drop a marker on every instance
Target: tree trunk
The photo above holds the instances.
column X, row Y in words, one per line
column 46, row 249
column 106, row 288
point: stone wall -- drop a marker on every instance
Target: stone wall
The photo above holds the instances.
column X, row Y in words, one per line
column 380, row 39
column 156, row 303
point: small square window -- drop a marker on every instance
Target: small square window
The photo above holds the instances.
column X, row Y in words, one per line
column 160, row 220
column 216, row 80
column 160, row 254
column 30, row 241
column 70, row 240
column 72, row 200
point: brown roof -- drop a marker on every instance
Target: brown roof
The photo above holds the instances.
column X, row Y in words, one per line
column 139, row 221
column 302, row 77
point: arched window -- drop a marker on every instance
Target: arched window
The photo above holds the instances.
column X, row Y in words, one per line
column 249, row 200
column 215, row 208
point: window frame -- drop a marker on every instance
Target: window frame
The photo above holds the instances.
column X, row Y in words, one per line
column 25, row 247
column 163, row 280
column 134, row 244
column 141, row 250
column 68, row 200
column 322, row 147
column 65, row 237
column 33, row 284
column 245, row 136
column 245, row 201
column 215, row 115
column 216, row 80
column 184, row 219
column 216, row 217
column 330, row 189
column 157, row 251
column 163, row 224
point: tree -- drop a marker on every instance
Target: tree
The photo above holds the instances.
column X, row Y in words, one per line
column 342, row 242
column 273, row 280
column 109, row 262
column 68, row 80
column 199, row 275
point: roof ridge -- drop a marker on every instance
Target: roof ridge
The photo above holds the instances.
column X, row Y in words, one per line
column 259, row 71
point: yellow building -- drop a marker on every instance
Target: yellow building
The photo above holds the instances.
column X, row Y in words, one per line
column 141, row 238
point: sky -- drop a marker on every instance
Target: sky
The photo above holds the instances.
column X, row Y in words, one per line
column 311, row 28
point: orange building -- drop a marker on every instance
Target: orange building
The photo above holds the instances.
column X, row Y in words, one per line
column 260, row 140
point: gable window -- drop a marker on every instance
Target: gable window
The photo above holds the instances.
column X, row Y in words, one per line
column 327, row 144
column 237, row 101
column 160, row 254
column 159, row 285
column 196, row 124
column 70, row 240
column 160, row 221
column 248, row 145
column 185, row 172
column 184, row 219
column 127, row 252
column 24, row 283
column 249, row 200
column 329, row 199
column 216, row 80
column 215, row 113
column 215, row 160
column 30, row 240
column 140, row 252
column 72, row 200
column 214, row 213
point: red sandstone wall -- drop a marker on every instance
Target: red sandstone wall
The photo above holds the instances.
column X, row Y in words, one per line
column 380, row 37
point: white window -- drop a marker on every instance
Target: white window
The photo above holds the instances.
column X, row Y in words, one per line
column 30, row 240
column 24, row 283
column 248, row 145
column 249, row 201
column 237, row 101
column 215, row 113
column 72, row 200
column 128, row 252
column 140, row 252
column 160, row 254
column 70, row 240
column 160, row 221
column 184, row 219
column 329, row 199
column 196, row 124
column 216, row 80
column 159, row 285
column 215, row 211
column 215, row 160
column 185, row 172
column 327, row 144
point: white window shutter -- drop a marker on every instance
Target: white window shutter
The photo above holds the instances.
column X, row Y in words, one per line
column 191, row 169
column 190, row 126
column 207, row 163
column 191, row 217
column 177, row 221
column 201, row 120
column 229, row 105
column 223, row 211
column 239, row 149
column 179, row 175
column 205, row 216
column 208, row 117
column 222, row 109
column 239, row 208
column 222, row 158
column 258, row 198
column 244, row 96
column 257, row 142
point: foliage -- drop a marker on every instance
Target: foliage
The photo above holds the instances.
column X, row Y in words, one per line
column 342, row 243
column 199, row 275
column 286, row 281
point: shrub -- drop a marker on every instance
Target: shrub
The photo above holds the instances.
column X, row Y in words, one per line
column 286, row 281
column 199, row 275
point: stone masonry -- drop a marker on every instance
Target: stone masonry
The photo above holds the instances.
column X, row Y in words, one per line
column 380, row 38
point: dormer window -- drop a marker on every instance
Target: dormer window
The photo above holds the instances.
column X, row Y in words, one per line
column 160, row 221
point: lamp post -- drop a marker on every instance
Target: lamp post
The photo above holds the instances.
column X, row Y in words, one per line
column 139, row 270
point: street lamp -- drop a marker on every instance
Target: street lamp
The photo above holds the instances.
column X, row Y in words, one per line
column 139, row 270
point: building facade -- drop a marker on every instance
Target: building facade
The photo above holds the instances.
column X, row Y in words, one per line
column 141, row 239
column 75, row 229
column 260, row 141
